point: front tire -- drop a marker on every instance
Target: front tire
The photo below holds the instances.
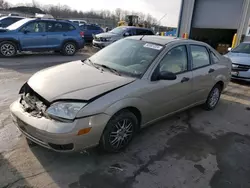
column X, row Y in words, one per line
column 119, row 131
column 69, row 49
column 213, row 97
column 8, row 49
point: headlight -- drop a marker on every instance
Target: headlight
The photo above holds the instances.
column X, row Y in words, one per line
column 108, row 39
column 235, row 66
column 65, row 110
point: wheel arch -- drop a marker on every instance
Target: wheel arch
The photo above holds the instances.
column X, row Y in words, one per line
column 69, row 40
column 137, row 106
column 221, row 84
column 16, row 42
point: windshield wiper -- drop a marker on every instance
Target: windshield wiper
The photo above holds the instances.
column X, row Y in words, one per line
column 92, row 63
column 109, row 68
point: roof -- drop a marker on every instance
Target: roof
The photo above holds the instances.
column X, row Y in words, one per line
column 11, row 17
column 163, row 40
column 135, row 27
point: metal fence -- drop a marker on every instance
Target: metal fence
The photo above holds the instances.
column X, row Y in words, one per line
column 101, row 22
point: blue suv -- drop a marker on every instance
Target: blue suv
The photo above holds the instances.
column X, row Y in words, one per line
column 90, row 30
column 32, row 34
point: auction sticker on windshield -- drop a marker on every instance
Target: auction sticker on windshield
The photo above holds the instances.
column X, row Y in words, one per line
column 152, row 46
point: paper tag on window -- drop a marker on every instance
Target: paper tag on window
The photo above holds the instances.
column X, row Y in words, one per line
column 153, row 46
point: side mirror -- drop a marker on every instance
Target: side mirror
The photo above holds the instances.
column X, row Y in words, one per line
column 165, row 75
column 126, row 34
column 229, row 49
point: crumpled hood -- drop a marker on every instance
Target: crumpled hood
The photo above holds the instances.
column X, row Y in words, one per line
column 75, row 80
column 239, row 58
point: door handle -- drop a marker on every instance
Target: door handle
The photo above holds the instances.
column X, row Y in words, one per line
column 211, row 70
column 184, row 79
column 64, row 35
column 43, row 35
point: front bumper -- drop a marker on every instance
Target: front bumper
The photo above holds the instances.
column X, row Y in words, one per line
column 59, row 136
column 241, row 75
column 101, row 44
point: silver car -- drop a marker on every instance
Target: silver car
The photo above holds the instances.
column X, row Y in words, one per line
column 104, row 39
column 240, row 56
column 106, row 99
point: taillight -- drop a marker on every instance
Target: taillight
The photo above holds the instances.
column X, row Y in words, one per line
column 82, row 34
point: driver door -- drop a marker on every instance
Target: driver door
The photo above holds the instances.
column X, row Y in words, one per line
column 167, row 96
column 33, row 36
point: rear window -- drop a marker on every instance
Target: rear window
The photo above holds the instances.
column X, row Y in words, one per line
column 144, row 32
column 92, row 27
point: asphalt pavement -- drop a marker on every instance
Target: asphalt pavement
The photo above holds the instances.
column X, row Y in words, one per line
column 193, row 149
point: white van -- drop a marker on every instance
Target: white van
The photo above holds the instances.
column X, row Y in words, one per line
column 79, row 21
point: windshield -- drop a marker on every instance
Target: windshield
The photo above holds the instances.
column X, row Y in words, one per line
column 118, row 30
column 242, row 48
column 128, row 56
column 18, row 24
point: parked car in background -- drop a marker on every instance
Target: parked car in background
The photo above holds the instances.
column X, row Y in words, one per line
column 90, row 30
column 240, row 56
column 122, row 88
column 8, row 20
column 104, row 39
column 32, row 34
column 79, row 21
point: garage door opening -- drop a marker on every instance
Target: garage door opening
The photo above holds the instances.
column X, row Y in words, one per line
column 219, row 39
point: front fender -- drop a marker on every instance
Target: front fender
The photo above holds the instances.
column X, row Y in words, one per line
column 143, row 106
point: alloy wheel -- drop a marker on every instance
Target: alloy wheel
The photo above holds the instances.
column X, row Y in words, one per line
column 70, row 49
column 214, row 97
column 8, row 49
column 121, row 134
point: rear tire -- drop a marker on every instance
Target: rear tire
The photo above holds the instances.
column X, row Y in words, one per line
column 119, row 131
column 69, row 49
column 8, row 49
column 213, row 98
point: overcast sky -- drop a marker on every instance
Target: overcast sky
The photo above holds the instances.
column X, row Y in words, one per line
column 157, row 8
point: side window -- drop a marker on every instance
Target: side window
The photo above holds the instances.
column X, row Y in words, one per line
column 131, row 32
column 59, row 27
column 214, row 58
column 200, row 56
column 96, row 28
column 35, row 27
column 148, row 32
column 68, row 27
column 140, row 32
column 175, row 60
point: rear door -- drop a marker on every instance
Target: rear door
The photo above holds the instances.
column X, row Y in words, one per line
column 33, row 36
column 204, row 71
column 58, row 32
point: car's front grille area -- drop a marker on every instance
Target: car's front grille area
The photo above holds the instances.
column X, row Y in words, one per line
column 97, row 39
column 238, row 67
column 32, row 102
column 100, row 39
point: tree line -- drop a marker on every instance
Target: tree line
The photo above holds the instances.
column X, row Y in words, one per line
column 64, row 11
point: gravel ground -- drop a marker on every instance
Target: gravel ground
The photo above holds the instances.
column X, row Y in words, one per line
column 193, row 149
